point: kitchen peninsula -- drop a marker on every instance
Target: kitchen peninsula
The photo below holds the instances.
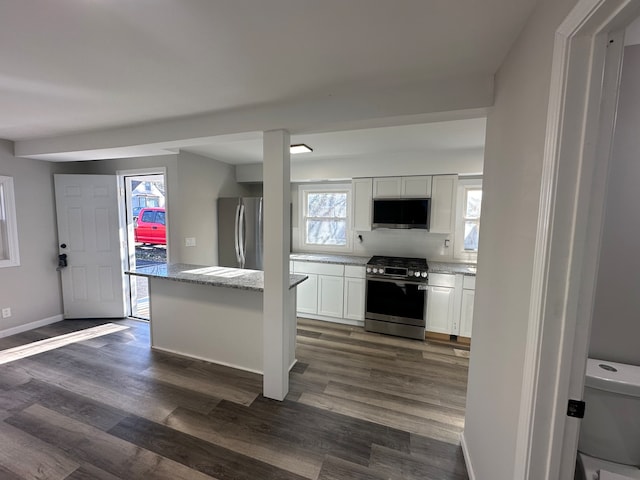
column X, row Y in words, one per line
column 212, row 313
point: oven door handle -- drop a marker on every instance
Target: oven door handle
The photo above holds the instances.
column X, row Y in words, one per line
column 397, row 281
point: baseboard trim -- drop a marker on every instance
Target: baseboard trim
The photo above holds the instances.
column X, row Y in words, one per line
column 209, row 360
column 343, row 321
column 467, row 457
column 30, row 326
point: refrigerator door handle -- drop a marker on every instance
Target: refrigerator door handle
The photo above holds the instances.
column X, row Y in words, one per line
column 260, row 236
column 243, row 244
column 237, row 234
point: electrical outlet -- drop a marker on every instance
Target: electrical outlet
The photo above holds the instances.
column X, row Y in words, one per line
column 190, row 242
column 6, row 312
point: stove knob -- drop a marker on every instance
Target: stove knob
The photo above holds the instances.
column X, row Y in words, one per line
column 368, row 269
column 417, row 274
column 424, row 274
column 410, row 272
column 375, row 270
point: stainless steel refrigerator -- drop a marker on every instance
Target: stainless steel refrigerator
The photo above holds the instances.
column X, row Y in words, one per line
column 240, row 232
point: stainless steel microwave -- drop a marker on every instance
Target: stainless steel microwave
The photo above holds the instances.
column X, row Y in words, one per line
column 401, row 213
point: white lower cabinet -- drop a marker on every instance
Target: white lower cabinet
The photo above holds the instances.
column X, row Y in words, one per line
column 330, row 295
column 466, row 312
column 450, row 304
column 332, row 292
column 307, row 296
column 354, row 298
column 440, row 306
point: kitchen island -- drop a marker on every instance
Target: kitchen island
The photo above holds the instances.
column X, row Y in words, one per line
column 213, row 313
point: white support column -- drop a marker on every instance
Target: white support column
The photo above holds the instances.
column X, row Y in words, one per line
column 277, row 225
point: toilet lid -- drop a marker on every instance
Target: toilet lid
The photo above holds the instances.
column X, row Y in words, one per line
column 607, row 475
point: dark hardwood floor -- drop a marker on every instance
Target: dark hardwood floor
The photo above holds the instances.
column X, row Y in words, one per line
column 361, row 406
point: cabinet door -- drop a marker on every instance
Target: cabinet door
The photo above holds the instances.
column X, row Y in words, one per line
column 466, row 314
column 387, row 187
column 307, row 297
column 419, row 186
column 330, row 295
column 440, row 310
column 443, row 203
column 354, row 298
column 362, row 190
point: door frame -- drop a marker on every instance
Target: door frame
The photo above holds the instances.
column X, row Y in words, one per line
column 126, row 226
column 582, row 103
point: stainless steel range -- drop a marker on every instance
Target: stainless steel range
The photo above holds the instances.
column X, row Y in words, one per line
column 396, row 296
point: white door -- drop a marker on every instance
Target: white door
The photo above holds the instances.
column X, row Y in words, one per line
column 307, row 300
column 89, row 234
column 354, row 298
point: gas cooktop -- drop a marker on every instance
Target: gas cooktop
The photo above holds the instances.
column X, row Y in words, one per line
column 398, row 266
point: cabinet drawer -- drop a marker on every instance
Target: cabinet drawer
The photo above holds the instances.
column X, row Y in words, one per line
column 469, row 282
column 442, row 280
column 319, row 268
column 353, row 271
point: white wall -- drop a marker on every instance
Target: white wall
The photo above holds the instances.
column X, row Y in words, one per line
column 615, row 328
column 463, row 161
column 511, row 190
column 31, row 290
column 193, row 184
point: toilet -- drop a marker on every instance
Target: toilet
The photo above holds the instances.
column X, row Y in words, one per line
column 609, row 444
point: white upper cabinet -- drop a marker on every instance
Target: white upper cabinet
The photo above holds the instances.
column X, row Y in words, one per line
column 443, row 203
column 419, row 186
column 362, row 195
column 394, row 187
column 387, row 187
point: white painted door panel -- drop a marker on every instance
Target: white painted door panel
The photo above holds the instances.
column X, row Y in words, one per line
column 93, row 281
column 362, row 194
column 440, row 310
column 466, row 313
column 418, row 186
column 387, row 187
column 354, row 298
column 307, row 296
column 330, row 296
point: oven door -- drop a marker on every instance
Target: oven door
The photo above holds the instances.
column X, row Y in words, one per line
column 398, row 301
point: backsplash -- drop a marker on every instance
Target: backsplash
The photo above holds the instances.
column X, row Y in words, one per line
column 397, row 243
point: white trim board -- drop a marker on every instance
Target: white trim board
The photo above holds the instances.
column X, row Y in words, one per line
column 567, row 240
column 48, row 344
column 467, row 458
column 30, row 326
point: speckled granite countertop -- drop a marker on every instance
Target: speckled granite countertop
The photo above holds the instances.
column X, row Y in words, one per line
column 214, row 276
column 327, row 258
column 450, row 267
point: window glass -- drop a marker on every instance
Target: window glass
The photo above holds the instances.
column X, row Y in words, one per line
column 9, row 256
column 325, row 219
column 160, row 217
column 472, row 204
column 468, row 212
column 148, row 216
column 4, row 241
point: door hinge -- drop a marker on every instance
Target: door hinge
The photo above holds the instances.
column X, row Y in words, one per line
column 576, row 408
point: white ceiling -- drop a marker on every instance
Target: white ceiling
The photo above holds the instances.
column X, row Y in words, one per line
column 74, row 66
column 452, row 135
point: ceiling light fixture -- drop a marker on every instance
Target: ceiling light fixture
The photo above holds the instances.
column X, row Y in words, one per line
column 300, row 148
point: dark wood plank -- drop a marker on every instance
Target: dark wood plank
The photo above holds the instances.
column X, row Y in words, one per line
column 293, row 457
column 195, row 453
column 411, row 467
column 87, row 445
column 338, row 469
column 320, row 431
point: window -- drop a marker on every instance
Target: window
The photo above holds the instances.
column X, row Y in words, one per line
column 8, row 229
column 468, row 215
column 325, row 222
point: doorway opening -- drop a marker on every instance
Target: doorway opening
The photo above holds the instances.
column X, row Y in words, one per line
column 144, row 202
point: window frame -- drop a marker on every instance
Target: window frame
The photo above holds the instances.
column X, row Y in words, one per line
column 465, row 184
column 8, row 204
column 306, row 189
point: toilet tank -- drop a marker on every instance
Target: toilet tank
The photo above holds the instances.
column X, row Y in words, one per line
column 610, row 429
